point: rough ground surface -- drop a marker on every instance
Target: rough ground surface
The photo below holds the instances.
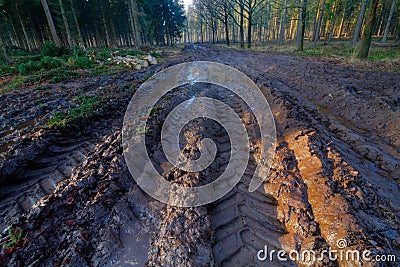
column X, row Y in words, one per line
column 336, row 173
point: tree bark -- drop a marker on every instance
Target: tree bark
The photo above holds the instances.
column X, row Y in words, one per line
column 241, row 24
column 14, row 30
column 105, row 26
column 319, row 22
column 78, row 28
column 360, row 19
column 267, row 21
column 342, row 20
column 283, row 21
column 249, row 31
column 299, row 22
column 135, row 23
column 226, row 22
column 385, row 35
column 331, row 25
column 66, row 25
column 363, row 49
column 3, row 49
column 303, row 13
column 50, row 21
column 28, row 44
column 113, row 33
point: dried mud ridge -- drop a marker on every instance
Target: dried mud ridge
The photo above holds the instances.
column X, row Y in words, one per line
column 335, row 175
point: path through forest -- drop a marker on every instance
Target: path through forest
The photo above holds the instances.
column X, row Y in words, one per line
column 336, row 174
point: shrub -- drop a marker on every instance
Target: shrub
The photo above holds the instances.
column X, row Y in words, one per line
column 81, row 62
column 30, row 66
column 133, row 53
column 57, row 76
column 51, row 50
column 79, row 52
column 49, row 62
column 22, row 69
column 5, row 69
column 155, row 54
column 15, row 51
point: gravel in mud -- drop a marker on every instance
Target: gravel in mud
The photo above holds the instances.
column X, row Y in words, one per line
column 336, row 173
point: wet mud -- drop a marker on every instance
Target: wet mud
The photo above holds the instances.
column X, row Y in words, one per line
column 336, row 172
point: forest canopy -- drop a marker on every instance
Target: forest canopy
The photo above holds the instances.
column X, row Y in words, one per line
column 28, row 24
column 246, row 21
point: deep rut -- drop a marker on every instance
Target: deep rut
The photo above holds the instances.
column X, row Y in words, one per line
column 39, row 178
column 329, row 180
column 243, row 224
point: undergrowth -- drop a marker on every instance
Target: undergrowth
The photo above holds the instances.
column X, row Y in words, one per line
column 86, row 107
column 54, row 65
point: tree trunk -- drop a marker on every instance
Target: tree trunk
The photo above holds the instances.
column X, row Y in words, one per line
column 28, row 44
column 14, row 30
column 3, row 49
column 363, row 49
column 66, row 25
column 114, row 39
column 50, row 21
column 315, row 21
column 385, row 35
column 105, row 26
column 319, row 22
column 249, row 31
column 303, row 12
column 201, row 31
column 241, row 24
column 267, row 21
column 134, row 22
column 234, row 33
column 342, row 20
column 226, row 23
column 78, row 28
column 331, row 24
column 283, row 21
column 360, row 19
column 379, row 25
column 298, row 27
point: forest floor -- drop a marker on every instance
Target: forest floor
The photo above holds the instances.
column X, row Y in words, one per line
column 67, row 198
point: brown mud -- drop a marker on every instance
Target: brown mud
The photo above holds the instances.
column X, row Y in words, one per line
column 336, row 173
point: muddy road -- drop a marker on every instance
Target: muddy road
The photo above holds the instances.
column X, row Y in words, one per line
column 335, row 176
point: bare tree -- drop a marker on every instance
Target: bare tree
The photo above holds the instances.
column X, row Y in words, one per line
column 247, row 9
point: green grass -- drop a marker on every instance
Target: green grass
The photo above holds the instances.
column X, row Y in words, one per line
column 87, row 106
column 15, row 83
column 383, row 54
column 381, row 57
column 15, row 236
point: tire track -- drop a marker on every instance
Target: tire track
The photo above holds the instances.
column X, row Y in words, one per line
column 243, row 224
column 40, row 178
